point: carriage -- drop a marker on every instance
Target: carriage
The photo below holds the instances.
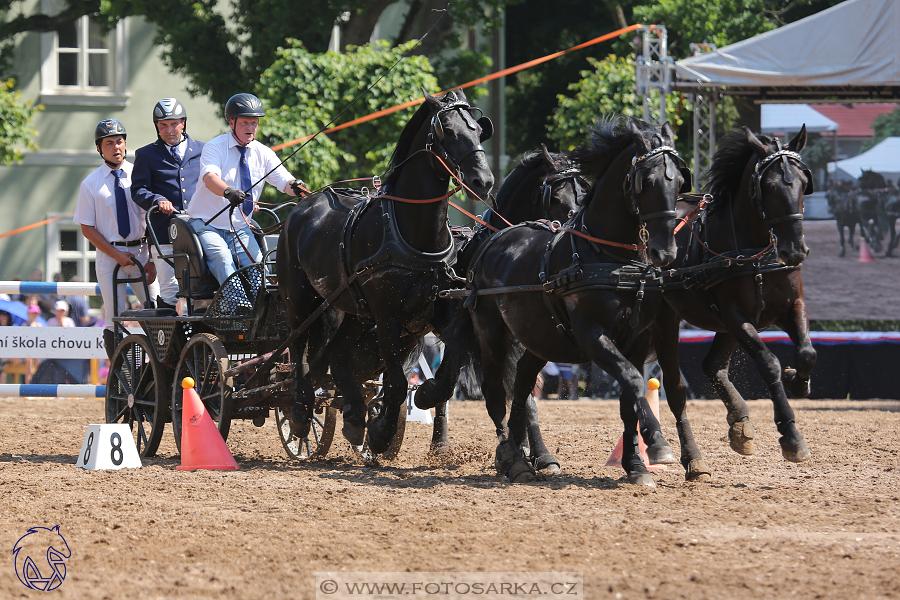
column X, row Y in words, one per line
column 225, row 341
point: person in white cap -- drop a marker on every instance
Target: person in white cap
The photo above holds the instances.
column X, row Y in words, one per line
column 60, row 310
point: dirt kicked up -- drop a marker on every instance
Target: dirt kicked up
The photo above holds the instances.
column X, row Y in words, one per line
column 762, row 528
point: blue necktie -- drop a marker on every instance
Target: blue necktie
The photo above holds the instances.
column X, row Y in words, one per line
column 247, row 206
column 121, row 206
column 175, row 154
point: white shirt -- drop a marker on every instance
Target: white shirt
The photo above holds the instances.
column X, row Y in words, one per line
column 97, row 204
column 221, row 156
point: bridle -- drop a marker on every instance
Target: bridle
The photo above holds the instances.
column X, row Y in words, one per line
column 788, row 177
column 633, row 184
column 569, row 175
column 435, row 140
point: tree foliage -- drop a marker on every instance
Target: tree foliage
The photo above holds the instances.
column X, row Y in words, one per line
column 884, row 126
column 608, row 89
column 16, row 132
column 304, row 91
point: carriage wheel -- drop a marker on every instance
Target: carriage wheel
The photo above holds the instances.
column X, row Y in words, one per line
column 317, row 443
column 204, row 359
column 374, row 409
column 137, row 392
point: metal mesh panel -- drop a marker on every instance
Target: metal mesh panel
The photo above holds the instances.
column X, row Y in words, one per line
column 237, row 297
column 162, row 335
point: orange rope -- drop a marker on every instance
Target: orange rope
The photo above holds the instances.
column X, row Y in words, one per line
column 33, row 225
column 492, row 76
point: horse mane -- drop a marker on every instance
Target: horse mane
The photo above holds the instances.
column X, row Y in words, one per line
column 733, row 152
column 530, row 162
column 404, row 142
column 609, row 138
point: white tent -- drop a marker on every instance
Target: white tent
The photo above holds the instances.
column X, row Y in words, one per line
column 883, row 158
column 787, row 118
column 855, row 43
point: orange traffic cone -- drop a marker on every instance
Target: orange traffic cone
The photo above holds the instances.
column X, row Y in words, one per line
column 865, row 255
column 615, row 459
column 202, row 446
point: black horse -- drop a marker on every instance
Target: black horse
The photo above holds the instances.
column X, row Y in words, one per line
column 381, row 260
column 870, row 204
column 740, row 274
column 543, row 185
column 892, row 212
column 842, row 204
column 579, row 294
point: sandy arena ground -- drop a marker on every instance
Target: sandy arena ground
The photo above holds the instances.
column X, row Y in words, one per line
column 762, row 528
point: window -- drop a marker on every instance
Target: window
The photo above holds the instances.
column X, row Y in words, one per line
column 83, row 55
column 83, row 66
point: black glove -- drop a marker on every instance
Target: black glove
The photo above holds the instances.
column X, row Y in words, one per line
column 298, row 187
column 235, row 197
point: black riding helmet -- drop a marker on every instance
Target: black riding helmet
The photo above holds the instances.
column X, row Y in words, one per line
column 169, row 108
column 243, row 105
column 108, row 128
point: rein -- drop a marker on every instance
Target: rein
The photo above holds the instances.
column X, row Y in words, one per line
column 604, row 242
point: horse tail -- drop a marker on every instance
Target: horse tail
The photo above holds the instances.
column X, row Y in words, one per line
column 412, row 359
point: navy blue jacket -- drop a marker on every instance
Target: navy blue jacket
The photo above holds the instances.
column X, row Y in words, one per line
column 157, row 176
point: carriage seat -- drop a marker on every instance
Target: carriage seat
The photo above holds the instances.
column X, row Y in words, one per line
column 189, row 257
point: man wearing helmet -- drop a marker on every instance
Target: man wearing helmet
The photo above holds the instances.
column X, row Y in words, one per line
column 165, row 175
column 231, row 166
column 113, row 223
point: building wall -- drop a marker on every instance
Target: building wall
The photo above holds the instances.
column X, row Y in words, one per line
column 48, row 181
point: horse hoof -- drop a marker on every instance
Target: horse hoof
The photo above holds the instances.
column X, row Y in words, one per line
column 353, row 433
column 794, row 452
column 645, row 479
column 799, row 388
column 547, row 464
column 661, row 455
column 740, row 436
column 697, row 470
column 439, row 449
column 424, row 397
column 520, row 472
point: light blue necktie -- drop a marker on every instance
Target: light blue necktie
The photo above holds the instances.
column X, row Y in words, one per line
column 247, row 206
column 121, row 206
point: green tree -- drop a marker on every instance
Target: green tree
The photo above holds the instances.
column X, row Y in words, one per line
column 16, row 132
column 304, row 91
column 884, row 126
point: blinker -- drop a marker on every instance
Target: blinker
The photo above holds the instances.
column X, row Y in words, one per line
column 487, row 129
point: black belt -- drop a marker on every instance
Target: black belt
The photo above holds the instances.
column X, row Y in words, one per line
column 131, row 243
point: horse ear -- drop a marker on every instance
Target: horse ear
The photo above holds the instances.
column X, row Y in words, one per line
column 461, row 95
column 668, row 133
column 761, row 150
column 429, row 99
column 548, row 160
column 637, row 136
column 799, row 142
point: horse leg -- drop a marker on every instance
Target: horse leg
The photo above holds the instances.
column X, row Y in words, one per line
column 523, row 412
column 793, row 447
column 715, row 366
column 840, row 228
column 894, row 239
column 340, row 358
column 603, row 352
column 796, row 325
column 382, row 429
column 304, row 397
column 493, row 341
column 658, row 450
column 439, row 440
column 665, row 339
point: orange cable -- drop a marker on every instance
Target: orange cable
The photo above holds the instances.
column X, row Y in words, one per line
column 33, row 225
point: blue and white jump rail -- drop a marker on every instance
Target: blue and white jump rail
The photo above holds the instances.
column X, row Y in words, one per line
column 49, row 288
column 12, row 390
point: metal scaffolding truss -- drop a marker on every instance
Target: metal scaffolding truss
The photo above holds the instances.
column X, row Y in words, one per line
column 654, row 72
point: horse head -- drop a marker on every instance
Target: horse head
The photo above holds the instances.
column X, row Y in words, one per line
column 455, row 133
column 652, row 186
column 777, row 184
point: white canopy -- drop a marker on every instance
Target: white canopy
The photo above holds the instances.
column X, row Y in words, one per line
column 855, row 43
column 787, row 118
column 883, row 158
